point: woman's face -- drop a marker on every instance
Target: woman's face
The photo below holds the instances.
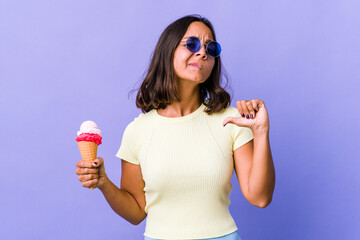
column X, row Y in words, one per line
column 195, row 67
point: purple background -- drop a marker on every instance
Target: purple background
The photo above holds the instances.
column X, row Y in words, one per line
column 64, row 62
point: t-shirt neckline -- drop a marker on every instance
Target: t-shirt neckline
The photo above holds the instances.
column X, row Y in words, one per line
column 186, row 117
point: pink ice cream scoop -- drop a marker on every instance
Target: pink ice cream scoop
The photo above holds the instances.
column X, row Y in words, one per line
column 89, row 132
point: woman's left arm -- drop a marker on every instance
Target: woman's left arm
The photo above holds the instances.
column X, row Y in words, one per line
column 253, row 161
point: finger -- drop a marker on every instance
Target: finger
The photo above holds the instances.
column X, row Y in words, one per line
column 228, row 120
column 91, row 183
column 255, row 104
column 97, row 162
column 234, row 120
column 83, row 164
column 82, row 171
column 245, row 108
column 87, row 177
column 255, row 108
column 239, row 107
column 250, row 109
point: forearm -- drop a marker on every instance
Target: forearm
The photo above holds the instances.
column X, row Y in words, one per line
column 262, row 172
column 122, row 202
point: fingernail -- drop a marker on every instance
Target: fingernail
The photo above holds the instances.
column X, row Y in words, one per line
column 243, row 115
column 252, row 116
column 247, row 115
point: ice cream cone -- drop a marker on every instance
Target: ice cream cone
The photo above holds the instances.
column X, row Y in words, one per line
column 88, row 139
column 88, row 151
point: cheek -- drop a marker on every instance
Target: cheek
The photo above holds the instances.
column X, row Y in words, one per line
column 210, row 66
column 180, row 60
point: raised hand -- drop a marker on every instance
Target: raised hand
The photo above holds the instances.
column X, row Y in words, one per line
column 253, row 114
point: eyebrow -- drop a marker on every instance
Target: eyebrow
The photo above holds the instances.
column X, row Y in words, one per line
column 207, row 41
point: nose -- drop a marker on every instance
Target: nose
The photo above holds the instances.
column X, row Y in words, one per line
column 202, row 52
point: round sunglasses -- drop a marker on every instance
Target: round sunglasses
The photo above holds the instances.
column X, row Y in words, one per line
column 212, row 48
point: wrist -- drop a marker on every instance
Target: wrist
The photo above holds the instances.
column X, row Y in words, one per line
column 260, row 130
column 105, row 182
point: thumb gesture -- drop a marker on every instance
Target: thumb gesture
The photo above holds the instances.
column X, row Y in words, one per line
column 253, row 114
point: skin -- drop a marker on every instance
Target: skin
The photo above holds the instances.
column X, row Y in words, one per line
column 254, row 165
column 190, row 77
column 253, row 161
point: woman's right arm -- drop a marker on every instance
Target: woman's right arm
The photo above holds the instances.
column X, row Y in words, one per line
column 129, row 201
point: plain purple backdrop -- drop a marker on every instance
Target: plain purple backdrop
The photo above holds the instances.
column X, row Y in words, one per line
column 64, row 62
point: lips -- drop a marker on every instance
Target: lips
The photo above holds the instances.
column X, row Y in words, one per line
column 195, row 65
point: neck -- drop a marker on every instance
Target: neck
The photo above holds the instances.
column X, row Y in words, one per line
column 190, row 101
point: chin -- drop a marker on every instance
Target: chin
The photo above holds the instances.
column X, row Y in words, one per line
column 198, row 80
column 193, row 78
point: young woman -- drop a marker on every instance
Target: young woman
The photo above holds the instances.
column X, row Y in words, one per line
column 178, row 156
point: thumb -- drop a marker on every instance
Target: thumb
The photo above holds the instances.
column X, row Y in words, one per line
column 228, row 120
column 98, row 161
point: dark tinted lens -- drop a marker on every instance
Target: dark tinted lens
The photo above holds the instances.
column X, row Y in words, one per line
column 193, row 44
column 214, row 49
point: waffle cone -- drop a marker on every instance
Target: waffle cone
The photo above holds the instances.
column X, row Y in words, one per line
column 88, row 150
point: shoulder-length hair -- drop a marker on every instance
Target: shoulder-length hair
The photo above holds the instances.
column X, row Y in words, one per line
column 160, row 87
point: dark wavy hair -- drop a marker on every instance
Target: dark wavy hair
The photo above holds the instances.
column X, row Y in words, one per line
column 160, row 87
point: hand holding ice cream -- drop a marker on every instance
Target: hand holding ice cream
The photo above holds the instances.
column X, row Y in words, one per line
column 93, row 174
column 88, row 139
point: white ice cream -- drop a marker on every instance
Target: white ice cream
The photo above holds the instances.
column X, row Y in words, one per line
column 89, row 127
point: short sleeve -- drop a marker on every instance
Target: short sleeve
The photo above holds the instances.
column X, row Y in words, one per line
column 240, row 136
column 128, row 148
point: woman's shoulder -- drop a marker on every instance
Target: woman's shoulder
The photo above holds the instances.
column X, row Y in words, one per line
column 226, row 112
column 142, row 120
column 143, row 117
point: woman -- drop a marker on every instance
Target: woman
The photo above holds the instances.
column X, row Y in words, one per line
column 179, row 155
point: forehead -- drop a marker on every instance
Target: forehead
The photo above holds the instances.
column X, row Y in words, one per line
column 200, row 30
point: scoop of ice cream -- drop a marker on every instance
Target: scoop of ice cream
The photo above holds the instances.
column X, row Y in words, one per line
column 89, row 132
column 89, row 127
column 89, row 137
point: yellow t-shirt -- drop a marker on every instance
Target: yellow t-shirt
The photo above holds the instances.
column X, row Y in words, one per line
column 187, row 165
